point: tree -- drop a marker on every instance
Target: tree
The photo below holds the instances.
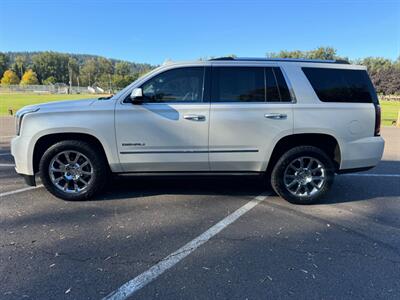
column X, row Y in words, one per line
column 29, row 78
column 47, row 64
column 387, row 81
column 20, row 62
column 376, row 64
column 397, row 63
column 3, row 62
column 322, row 53
column 123, row 68
column 73, row 70
column 105, row 66
column 106, row 69
column 50, row 80
column 325, row 53
column 120, row 81
column 9, row 77
column 89, row 71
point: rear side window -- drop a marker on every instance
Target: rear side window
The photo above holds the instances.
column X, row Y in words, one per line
column 273, row 94
column 249, row 84
column 238, row 84
column 277, row 89
column 341, row 85
column 283, row 88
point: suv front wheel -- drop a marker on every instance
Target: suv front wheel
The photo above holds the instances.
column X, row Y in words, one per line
column 73, row 170
column 303, row 175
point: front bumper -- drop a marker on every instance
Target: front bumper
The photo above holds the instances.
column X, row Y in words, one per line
column 29, row 179
column 22, row 152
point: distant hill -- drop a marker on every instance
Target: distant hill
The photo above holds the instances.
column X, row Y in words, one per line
column 49, row 67
column 81, row 58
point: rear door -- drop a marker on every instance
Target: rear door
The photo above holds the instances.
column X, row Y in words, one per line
column 169, row 132
column 251, row 109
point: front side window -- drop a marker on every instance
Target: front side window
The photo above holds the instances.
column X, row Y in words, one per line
column 341, row 85
column 177, row 85
column 238, row 84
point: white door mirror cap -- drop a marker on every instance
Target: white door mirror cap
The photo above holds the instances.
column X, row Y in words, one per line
column 136, row 93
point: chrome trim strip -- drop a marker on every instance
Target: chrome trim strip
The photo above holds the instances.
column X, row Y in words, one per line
column 233, row 151
column 189, row 151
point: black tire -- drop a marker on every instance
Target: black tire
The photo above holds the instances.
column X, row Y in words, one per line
column 99, row 168
column 277, row 175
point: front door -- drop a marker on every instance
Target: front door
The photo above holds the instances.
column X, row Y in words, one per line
column 251, row 108
column 169, row 131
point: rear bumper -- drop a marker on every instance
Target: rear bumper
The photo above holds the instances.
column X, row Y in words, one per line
column 355, row 170
column 364, row 153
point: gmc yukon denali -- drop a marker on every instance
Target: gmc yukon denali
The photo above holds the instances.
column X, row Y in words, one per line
column 299, row 122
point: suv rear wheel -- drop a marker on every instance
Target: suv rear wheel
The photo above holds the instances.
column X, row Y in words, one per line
column 303, row 175
column 73, row 170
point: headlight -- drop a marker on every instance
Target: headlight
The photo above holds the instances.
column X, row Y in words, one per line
column 19, row 115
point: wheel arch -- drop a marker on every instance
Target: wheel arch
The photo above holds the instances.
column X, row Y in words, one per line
column 326, row 142
column 45, row 141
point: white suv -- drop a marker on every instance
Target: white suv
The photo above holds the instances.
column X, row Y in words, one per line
column 297, row 121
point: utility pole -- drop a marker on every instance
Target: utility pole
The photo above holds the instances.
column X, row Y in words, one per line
column 77, row 77
column 109, row 83
column 70, row 78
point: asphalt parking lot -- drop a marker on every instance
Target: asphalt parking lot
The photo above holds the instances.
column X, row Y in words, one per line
column 346, row 247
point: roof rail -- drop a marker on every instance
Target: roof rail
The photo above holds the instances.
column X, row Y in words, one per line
column 326, row 61
column 223, row 58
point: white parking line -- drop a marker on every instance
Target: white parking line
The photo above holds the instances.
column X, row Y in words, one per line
column 21, row 190
column 7, row 165
column 372, row 175
column 132, row 286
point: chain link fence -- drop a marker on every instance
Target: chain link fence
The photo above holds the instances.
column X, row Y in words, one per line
column 48, row 89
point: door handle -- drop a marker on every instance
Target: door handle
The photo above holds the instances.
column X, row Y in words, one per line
column 276, row 116
column 194, row 117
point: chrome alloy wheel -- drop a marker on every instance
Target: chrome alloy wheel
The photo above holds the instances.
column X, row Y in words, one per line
column 71, row 171
column 305, row 176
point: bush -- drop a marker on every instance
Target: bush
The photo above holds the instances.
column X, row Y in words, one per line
column 29, row 78
column 50, row 80
column 9, row 77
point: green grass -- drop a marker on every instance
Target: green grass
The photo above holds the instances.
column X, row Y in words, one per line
column 16, row 101
column 390, row 109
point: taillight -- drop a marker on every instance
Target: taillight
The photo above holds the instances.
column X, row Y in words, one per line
column 377, row 120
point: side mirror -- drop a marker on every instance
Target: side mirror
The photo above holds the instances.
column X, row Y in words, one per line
column 137, row 96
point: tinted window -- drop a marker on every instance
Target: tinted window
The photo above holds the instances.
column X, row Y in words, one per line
column 272, row 88
column 283, row 88
column 178, row 85
column 238, row 84
column 340, row 85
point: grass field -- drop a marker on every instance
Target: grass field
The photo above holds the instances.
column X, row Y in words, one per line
column 16, row 101
column 390, row 109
